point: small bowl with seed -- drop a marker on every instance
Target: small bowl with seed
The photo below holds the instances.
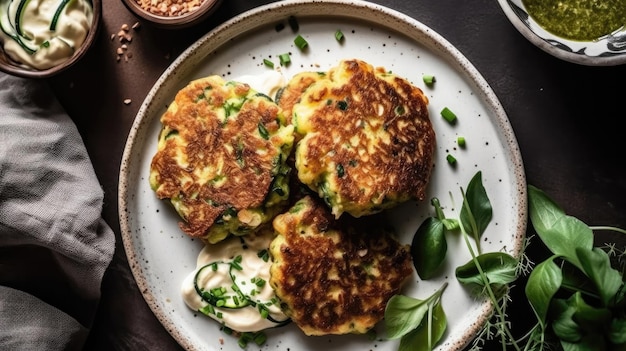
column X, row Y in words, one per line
column 172, row 14
column 39, row 39
column 586, row 32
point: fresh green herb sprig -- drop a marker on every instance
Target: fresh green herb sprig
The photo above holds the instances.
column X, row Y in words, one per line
column 578, row 294
column 419, row 324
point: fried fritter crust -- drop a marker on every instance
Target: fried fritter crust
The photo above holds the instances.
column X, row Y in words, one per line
column 334, row 277
column 367, row 139
column 221, row 148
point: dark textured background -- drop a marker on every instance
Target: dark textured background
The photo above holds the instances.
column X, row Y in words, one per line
column 566, row 118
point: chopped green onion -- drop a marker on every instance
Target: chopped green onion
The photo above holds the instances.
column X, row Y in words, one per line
column 260, row 338
column 263, row 132
column 268, row 63
column 293, row 23
column 428, row 79
column 451, row 159
column 448, row 115
column 340, row 171
column 264, row 255
column 461, row 141
column 300, row 42
column 284, row 59
column 339, row 35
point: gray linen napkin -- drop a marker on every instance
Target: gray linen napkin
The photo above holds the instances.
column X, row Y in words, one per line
column 54, row 244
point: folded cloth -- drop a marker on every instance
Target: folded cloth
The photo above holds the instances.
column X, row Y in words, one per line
column 54, row 244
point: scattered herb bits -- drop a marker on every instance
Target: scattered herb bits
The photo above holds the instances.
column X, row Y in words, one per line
column 300, row 42
column 429, row 79
column 448, row 115
column 339, row 35
column 285, row 59
column 451, row 159
column 268, row 63
column 293, row 23
column 460, row 141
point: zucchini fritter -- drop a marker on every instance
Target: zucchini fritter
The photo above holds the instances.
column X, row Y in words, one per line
column 367, row 142
column 221, row 158
column 334, row 276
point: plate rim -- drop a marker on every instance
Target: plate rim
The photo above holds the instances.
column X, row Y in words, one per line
column 219, row 34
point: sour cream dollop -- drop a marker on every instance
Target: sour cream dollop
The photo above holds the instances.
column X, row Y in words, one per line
column 40, row 34
column 231, row 284
column 235, row 272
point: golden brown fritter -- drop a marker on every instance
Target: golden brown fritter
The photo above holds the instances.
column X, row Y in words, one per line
column 334, row 276
column 367, row 139
column 290, row 94
column 221, row 158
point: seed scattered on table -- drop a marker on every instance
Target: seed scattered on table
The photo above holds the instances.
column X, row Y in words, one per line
column 169, row 8
column 124, row 36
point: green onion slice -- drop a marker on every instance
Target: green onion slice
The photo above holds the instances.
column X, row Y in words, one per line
column 451, row 159
column 300, row 42
column 460, row 141
column 268, row 63
column 448, row 115
column 284, row 59
column 428, row 79
column 339, row 35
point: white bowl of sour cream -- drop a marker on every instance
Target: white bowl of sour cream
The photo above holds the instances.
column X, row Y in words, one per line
column 41, row 38
column 586, row 32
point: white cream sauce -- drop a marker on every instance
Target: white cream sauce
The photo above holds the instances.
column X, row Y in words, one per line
column 268, row 82
column 51, row 46
column 251, row 253
column 214, row 263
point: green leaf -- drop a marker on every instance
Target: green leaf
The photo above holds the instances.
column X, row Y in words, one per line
column 617, row 331
column 544, row 212
column 544, row 281
column 418, row 339
column 563, row 324
column 403, row 314
column 590, row 318
column 597, row 265
column 429, row 247
column 560, row 233
column 578, row 322
column 476, row 212
column 499, row 268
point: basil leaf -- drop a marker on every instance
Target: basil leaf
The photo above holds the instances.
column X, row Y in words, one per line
column 418, row 339
column 403, row 314
column 617, row 331
column 597, row 265
column 590, row 318
column 563, row 325
column 560, row 233
column 476, row 212
column 429, row 247
column 499, row 268
column 544, row 281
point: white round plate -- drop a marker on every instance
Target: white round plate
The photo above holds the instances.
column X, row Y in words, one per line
column 160, row 255
column 609, row 50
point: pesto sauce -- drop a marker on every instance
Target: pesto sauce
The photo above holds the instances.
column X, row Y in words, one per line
column 578, row 19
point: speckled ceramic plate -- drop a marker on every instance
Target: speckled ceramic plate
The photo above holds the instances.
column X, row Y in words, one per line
column 609, row 50
column 160, row 255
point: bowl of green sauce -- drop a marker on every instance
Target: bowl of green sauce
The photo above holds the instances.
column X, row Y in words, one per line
column 586, row 32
